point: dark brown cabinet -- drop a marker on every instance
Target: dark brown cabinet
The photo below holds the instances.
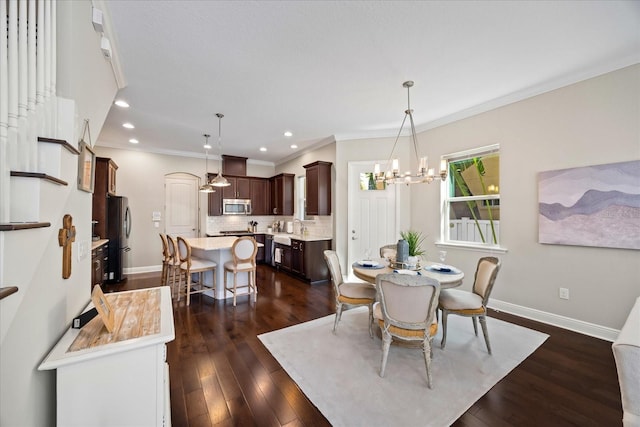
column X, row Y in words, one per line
column 240, row 188
column 282, row 194
column 98, row 262
column 214, row 199
column 318, row 188
column 233, row 165
column 105, row 184
column 305, row 259
column 259, row 196
column 285, row 256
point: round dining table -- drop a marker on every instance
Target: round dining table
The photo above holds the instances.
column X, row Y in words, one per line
column 449, row 279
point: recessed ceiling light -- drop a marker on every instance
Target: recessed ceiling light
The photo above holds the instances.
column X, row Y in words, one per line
column 122, row 103
column 128, row 126
column 263, row 149
column 288, row 133
column 133, row 141
column 294, row 146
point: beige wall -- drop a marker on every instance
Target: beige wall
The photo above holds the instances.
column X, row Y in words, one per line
column 596, row 121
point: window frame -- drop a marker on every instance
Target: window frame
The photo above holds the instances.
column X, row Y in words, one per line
column 446, row 200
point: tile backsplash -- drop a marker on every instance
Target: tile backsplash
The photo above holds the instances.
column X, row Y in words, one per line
column 318, row 226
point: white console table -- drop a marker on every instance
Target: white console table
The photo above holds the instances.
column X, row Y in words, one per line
column 121, row 383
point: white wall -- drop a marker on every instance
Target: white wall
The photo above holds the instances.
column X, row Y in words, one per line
column 47, row 303
column 596, row 121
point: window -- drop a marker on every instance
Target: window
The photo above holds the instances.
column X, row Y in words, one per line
column 471, row 198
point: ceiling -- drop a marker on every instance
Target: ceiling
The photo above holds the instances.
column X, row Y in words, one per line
column 328, row 70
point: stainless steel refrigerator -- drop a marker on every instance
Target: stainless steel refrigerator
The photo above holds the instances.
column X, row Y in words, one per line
column 118, row 232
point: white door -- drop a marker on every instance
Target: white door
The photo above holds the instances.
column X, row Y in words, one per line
column 181, row 204
column 373, row 216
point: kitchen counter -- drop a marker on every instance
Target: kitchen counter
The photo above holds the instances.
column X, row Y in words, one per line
column 97, row 243
column 304, row 238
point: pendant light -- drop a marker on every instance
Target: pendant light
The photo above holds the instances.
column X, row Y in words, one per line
column 219, row 180
column 423, row 173
column 206, row 187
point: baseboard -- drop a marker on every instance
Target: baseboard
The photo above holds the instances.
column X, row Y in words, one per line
column 586, row 328
column 146, row 269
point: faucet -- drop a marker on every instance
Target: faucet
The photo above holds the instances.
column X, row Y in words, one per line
column 301, row 225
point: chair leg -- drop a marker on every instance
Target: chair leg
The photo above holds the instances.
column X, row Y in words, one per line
column 179, row 283
column 371, row 320
column 163, row 278
column 188, row 288
column 386, row 343
column 444, row 328
column 235, row 279
column 475, row 325
column 426, row 352
column 338, row 315
column 255, row 285
column 485, row 332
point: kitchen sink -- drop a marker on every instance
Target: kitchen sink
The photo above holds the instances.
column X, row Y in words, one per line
column 283, row 239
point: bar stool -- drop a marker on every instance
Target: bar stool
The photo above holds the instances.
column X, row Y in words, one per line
column 190, row 264
column 244, row 252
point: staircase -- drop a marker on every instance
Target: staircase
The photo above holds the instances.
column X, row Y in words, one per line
column 38, row 170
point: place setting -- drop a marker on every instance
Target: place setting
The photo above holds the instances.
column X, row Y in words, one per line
column 369, row 263
column 441, row 267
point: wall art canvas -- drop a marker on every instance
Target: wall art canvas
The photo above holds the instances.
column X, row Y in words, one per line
column 591, row 206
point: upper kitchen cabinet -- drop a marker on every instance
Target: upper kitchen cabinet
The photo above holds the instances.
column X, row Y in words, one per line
column 106, row 175
column 282, row 194
column 260, row 196
column 318, row 188
column 240, row 188
column 105, row 184
column 233, row 165
column 214, row 199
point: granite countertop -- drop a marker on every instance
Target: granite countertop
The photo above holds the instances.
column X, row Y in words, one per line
column 304, row 238
column 97, row 243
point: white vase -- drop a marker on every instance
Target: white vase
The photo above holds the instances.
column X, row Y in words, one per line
column 412, row 261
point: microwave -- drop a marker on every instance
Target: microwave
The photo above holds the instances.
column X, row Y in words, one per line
column 236, row 206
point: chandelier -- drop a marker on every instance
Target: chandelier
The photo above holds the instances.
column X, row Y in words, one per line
column 423, row 172
column 206, row 187
column 219, row 180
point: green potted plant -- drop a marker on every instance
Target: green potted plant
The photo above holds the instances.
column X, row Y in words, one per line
column 414, row 239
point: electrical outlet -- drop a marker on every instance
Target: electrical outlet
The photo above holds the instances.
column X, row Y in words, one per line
column 563, row 293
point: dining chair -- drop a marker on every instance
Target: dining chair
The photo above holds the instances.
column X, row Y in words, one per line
column 166, row 258
column 173, row 266
column 406, row 311
column 349, row 293
column 190, row 264
column 388, row 251
column 471, row 304
column 243, row 251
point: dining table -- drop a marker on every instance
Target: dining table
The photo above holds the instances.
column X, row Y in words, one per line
column 437, row 271
column 434, row 270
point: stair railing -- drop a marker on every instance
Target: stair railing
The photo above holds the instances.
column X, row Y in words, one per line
column 27, row 86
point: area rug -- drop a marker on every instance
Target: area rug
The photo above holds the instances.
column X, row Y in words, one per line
column 339, row 373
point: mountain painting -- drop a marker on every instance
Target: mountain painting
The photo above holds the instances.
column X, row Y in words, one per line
column 591, row 206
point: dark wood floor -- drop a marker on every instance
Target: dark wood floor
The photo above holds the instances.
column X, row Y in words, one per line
column 221, row 374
